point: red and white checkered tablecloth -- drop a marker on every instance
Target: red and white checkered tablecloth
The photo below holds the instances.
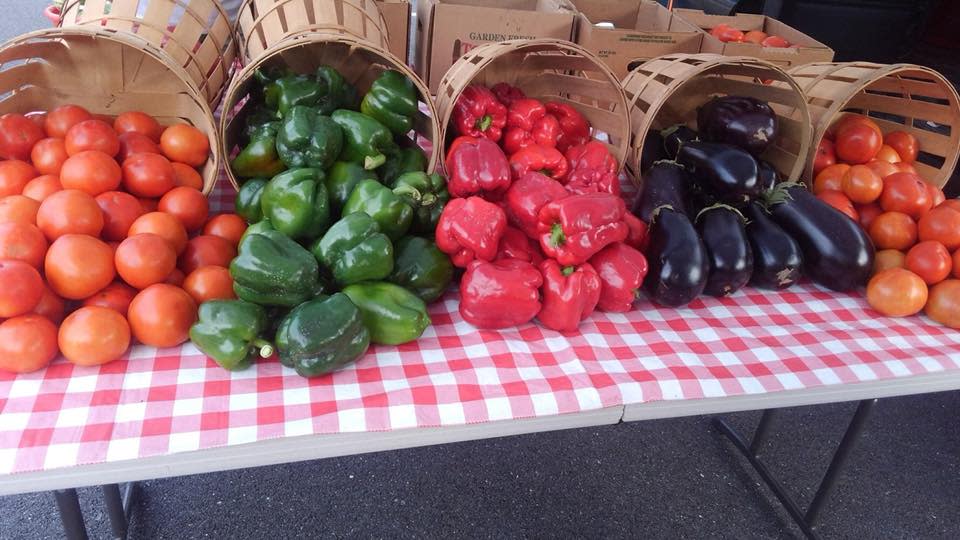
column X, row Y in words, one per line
column 159, row 402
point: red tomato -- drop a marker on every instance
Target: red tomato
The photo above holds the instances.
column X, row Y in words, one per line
column 148, row 204
column 830, row 178
column 69, row 212
column 861, row 185
column 775, row 41
column 857, row 143
column 27, row 343
column 92, row 135
column 230, row 227
column 905, row 192
column 825, row 156
column 887, row 154
column 138, row 122
column 38, row 117
column 727, row 34
column 48, row 155
column 14, row 175
column 51, row 306
column 92, row 171
column 186, row 204
column 904, row 144
column 18, row 209
column 209, row 283
column 755, row 36
column 60, row 120
column 936, row 195
column 94, row 335
column 929, row 260
column 839, row 201
column 187, row 176
column 116, row 296
column 148, row 175
column 868, row 212
column 888, row 258
column 943, row 304
column 144, row 259
column 77, row 266
column 161, row 315
column 893, row 230
column 849, row 119
column 883, row 168
column 18, row 134
column 953, row 204
column 22, row 288
column 22, row 242
column 42, row 187
column 185, row 144
column 906, row 167
column 163, row 225
column 206, row 250
column 135, row 143
column 176, row 278
column 897, row 293
column 120, row 210
column 956, row 263
column 942, row 225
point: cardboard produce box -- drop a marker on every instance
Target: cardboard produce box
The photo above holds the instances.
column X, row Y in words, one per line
column 642, row 29
column 807, row 49
column 446, row 29
column 397, row 15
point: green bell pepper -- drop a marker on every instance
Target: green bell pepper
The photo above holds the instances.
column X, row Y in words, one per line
column 431, row 192
column 422, row 268
column 289, row 91
column 391, row 212
column 266, row 77
column 257, row 228
column 259, row 157
column 271, row 269
column 308, row 139
column 247, row 203
column 355, row 250
column 229, row 332
column 404, row 161
column 392, row 314
column 262, row 118
column 322, row 335
column 392, row 101
column 341, row 179
column 339, row 93
column 365, row 140
column 296, row 203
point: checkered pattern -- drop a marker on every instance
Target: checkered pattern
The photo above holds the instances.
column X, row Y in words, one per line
column 176, row 400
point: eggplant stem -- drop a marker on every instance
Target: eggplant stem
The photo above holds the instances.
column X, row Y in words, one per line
column 717, row 206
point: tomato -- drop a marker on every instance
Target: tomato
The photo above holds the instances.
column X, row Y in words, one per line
column 77, row 265
column 14, row 175
column 839, row 201
column 936, row 195
column 904, row 144
column 161, row 315
column 953, row 204
column 824, row 157
column 209, row 283
column 906, row 167
column 148, row 175
column 728, row 34
column 92, row 135
column 116, row 296
column 857, row 143
column 22, row 288
column 230, row 227
column 882, row 168
column 22, row 242
column 888, row 258
column 861, row 184
column 896, row 292
column 905, row 192
column 69, row 212
column 50, row 306
column 206, row 250
column 887, row 154
column 830, row 178
column 18, row 209
column 48, row 155
column 942, row 224
column 186, row 176
column 943, row 304
column 38, row 117
column 94, row 335
column 185, row 144
column 144, row 259
column 186, row 204
column 148, row 204
column 775, row 41
column 754, row 36
column 956, row 263
column 135, row 143
column 164, row 225
column 120, row 210
column 42, row 187
column 176, row 278
column 868, row 212
column 27, row 343
column 92, row 171
column 893, row 230
column 138, row 122
column 929, row 260
column 18, row 134
column 848, row 119
column 60, row 120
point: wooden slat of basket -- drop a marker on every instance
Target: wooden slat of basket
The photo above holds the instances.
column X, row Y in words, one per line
column 552, row 84
column 888, row 104
column 934, row 143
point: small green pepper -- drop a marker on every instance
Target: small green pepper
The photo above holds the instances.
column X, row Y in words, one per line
column 339, row 93
column 427, row 194
column 262, row 118
column 322, row 335
column 392, row 314
column 308, row 139
column 404, row 161
column 247, row 203
column 365, row 140
column 293, row 90
column 355, row 250
column 342, row 177
column 271, row 269
column 296, row 203
column 421, row 268
column 259, row 157
column 392, row 100
column 391, row 212
column 229, row 332
column 257, row 228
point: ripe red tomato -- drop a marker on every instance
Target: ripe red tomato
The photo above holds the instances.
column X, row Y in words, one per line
column 897, row 292
column 14, row 175
column 42, row 187
column 868, row 212
column 943, row 304
column 230, row 227
column 186, row 204
column 830, row 178
column 956, row 263
column 727, row 34
column 18, row 209
column 906, row 167
column 144, row 259
column 148, row 175
column 116, row 296
column 929, row 260
column 18, row 134
column 941, row 224
column 905, row 144
column 60, row 120
column 92, row 135
column 135, row 143
column 861, row 184
column 857, row 143
column 936, row 195
column 176, row 278
column 905, row 192
column 848, row 119
column 755, row 36
column 825, row 156
column 69, row 212
column 91, row 171
column 94, row 335
column 187, row 176
column 775, row 41
column 27, row 343
column 206, row 250
column 185, row 144
column 209, row 283
column 839, row 201
column 22, row 242
column 77, row 266
column 161, row 315
column 22, row 288
column 882, row 168
column 888, row 258
column 163, row 225
column 48, row 155
column 50, row 306
column 893, row 230
column 887, row 154
column 120, row 210
column 138, row 122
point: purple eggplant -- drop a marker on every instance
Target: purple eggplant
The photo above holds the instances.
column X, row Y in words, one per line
column 664, row 184
column 675, row 136
column 745, row 122
column 777, row 259
column 769, row 177
column 727, row 172
column 728, row 250
column 652, row 150
column 677, row 258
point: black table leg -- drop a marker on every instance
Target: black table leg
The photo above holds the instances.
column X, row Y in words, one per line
column 70, row 514
column 118, row 507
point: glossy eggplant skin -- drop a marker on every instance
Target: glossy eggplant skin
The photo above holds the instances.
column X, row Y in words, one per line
column 837, row 253
column 728, row 250
column 731, row 174
column 777, row 259
column 665, row 183
column 677, row 258
column 675, row 136
column 742, row 121
column 769, row 177
column 652, row 150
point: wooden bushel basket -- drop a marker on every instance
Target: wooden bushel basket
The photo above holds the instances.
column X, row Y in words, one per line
column 262, row 24
column 196, row 34
column 666, row 91
column 548, row 70
column 48, row 68
column 360, row 63
column 903, row 97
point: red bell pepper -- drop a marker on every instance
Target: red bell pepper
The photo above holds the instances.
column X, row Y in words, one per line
column 470, row 229
column 514, row 244
column 527, row 196
column 543, row 159
column 477, row 113
column 637, row 237
column 476, row 166
column 575, row 129
column 621, row 269
column 569, row 295
column 507, row 94
column 575, row 228
column 527, row 124
column 592, row 169
column 500, row 294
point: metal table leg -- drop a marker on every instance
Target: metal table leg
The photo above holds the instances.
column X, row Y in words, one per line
column 70, row 514
column 118, row 507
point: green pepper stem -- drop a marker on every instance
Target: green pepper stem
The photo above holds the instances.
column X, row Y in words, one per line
column 557, row 238
column 266, row 348
column 484, row 122
column 428, row 199
column 568, row 270
column 410, row 192
column 372, row 162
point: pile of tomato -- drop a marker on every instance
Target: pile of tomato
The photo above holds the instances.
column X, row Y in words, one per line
column 96, row 219
column 869, row 175
column 726, row 33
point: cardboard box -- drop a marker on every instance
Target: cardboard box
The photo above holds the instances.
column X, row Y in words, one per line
column 807, row 50
column 397, row 15
column 642, row 29
column 446, row 29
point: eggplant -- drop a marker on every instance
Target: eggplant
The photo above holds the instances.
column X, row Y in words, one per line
column 837, row 253
column 745, row 122
column 769, row 177
column 675, row 136
column 777, row 259
column 728, row 250
column 729, row 173
column 665, row 183
column 652, row 150
column 677, row 259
